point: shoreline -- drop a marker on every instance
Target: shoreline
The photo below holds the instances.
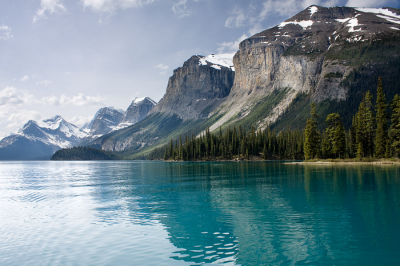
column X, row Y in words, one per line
column 349, row 162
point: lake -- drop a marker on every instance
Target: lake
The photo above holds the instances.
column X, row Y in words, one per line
column 191, row 213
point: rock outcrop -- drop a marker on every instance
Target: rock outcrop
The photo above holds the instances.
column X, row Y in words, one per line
column 304, row 54
column 197, row 88
column 136, row 112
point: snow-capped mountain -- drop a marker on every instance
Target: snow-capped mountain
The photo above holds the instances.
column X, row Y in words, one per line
column 105, row 120
column 136, row 112
column 39, row 140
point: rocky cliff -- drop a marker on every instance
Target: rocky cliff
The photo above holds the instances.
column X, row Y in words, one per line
column 194, row 90
column 197, row 88
column 330, row 56
column 309, row 53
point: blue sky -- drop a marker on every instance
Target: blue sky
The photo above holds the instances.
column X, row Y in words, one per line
column 71, row 58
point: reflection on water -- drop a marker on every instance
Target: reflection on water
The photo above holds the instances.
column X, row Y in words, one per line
column 155, row 213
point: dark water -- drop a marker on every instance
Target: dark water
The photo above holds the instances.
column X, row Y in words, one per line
column 155, row 213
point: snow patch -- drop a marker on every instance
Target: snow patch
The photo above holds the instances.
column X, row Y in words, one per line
column 394, row 28
column 351, row 23
column 342, row 20
column 390, row 19
column 313, row 9
column 303, row 23
column 382, row 11
column 217, row 61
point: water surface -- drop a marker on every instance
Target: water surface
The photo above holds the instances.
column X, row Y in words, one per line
column 156, row 213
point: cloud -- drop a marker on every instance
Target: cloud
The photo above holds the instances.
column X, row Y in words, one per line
column 78, row 100
column 229, row 47
column 10, row 96
column 48, row 6
column 5, row 33
column 44, row 82
column 163, row 68
column 24, row 79
column 237, row 18
column 180, row 9
column 20, row 117
column 80, row 121
column 110, row 6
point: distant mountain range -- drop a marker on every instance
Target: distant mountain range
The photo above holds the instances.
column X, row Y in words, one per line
column 329, row 56
column 39, row 140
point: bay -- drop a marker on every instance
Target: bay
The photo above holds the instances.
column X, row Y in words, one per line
column 191, row 213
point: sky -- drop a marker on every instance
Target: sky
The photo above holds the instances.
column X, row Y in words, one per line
column 73, row 57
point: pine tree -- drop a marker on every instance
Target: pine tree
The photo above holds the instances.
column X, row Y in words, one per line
column 311, row 136
column 369, row 125
column 339, row 140
column 381, row 122
column 395, row 127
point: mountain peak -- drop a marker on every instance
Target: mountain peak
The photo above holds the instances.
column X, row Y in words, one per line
column 216, row 61
column 143, row 99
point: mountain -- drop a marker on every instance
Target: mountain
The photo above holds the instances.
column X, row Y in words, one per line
column 109, row 119
column 194, row 91
column 105, row 120
column 329, row 56
column 197, row 88
column 39, row 140
column 136, row 112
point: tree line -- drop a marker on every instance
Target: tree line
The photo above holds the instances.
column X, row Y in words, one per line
column 374, row 133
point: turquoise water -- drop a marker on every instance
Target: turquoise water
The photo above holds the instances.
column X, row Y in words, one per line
column 156, row 213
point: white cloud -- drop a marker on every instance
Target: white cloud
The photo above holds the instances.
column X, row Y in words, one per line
column 10, row 96
column 24, row 79
column 20, row 117
column 78, row 100
column 110, row 6
column 48, row 6
column 5, row 33
column 44, row 82
column 180, row 9
column 80, row 121
column 229, row 47
column 237, row 18
column 161, row 66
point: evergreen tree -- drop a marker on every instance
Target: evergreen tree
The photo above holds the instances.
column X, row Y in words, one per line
column 311, row 136
column 395, row 127
column 381, row 122
column 364, row 127
column 335, row 137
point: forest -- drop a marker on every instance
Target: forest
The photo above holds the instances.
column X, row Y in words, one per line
column 374, row 133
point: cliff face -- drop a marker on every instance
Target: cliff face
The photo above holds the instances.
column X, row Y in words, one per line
column 196, row 88
column 330, row 56
column 309, row 53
